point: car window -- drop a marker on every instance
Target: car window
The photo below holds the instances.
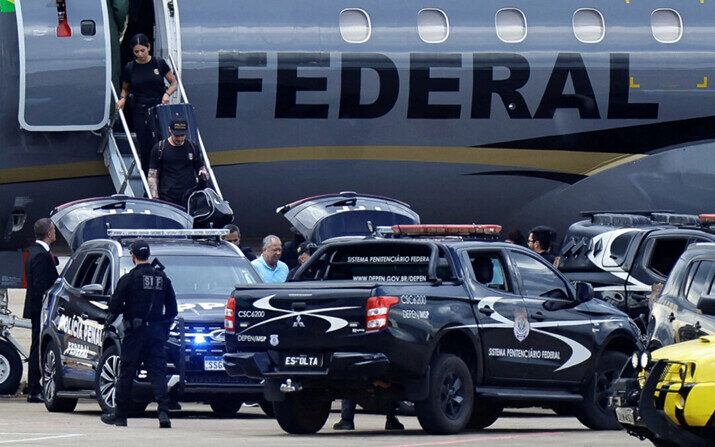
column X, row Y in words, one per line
column 380, row 262
column 205, row 275
column 488, row 269
column 665, row 254
column 700, row 281
column 70, row 271
column 538, row 279
column 86, row 271
column 103, row 275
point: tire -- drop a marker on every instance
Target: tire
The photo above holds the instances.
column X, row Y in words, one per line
column 10, row 368
column 52, row 382
column 105, row 384
column 267, row 407
column 448, row 407
column 302, row 413
column 484, row 414
column 594, row 412
column 105, row 381
column 563, row 410
column 225, row 408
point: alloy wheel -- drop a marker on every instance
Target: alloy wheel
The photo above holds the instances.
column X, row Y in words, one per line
column 49, row 387
column 451, row 396
column 108, row 380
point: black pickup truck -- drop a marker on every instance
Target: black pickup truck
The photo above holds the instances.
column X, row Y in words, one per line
column 460, row 328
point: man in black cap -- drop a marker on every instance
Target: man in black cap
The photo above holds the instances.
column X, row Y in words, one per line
column 305, row 250
column 146, row 300
column 174, row 166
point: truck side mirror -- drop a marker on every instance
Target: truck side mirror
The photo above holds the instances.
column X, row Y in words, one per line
column 706, row 304
column 584, row 291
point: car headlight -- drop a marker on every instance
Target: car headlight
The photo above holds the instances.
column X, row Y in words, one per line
column 635, row 360
column 645, row 359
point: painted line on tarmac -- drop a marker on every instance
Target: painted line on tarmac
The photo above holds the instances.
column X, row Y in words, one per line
column 39, row 438
column 481, row 438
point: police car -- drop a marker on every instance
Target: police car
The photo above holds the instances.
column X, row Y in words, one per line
column 80, row 359
column 462, row 328
column 624, row 254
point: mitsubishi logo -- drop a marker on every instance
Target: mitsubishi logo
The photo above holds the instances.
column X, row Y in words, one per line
column 298, row 322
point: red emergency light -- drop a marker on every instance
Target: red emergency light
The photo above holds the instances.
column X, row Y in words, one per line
column 445, row 229
column 707, row 218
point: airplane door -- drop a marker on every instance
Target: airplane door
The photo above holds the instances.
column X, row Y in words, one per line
column 65, row 64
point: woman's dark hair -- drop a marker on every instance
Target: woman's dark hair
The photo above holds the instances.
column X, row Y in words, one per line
column 139, row 39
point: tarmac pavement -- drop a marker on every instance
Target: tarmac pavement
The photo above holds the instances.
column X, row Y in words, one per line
column 27, row 424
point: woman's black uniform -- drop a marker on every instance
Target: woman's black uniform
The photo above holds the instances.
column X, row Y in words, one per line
column 146, row 87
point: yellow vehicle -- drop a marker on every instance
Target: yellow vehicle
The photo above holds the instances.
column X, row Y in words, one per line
column 668, row 396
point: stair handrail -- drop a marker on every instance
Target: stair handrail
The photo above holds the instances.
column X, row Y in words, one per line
column 135, row 154
column 185, row 99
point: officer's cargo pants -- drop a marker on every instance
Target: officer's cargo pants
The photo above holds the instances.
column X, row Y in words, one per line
column 144, row 345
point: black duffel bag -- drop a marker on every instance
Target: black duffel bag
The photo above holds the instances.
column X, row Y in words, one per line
column 208, row 209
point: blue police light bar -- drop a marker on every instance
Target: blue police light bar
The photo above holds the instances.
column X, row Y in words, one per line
column 118, row 233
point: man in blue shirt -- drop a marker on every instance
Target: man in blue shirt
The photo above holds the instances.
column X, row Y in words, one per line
column 268, row 265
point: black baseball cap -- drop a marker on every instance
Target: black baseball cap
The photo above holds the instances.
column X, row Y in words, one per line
column 140, row 249
column 178, row 127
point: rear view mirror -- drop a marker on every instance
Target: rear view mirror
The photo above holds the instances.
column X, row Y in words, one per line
column 93, row 291
column 584, row 291
column 706, row 304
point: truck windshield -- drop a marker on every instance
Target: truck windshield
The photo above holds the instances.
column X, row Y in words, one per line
column 205, row 275
column 384, row 263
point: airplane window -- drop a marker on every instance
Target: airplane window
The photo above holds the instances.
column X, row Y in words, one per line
column 666, row 25
column 588, row 25
column 433, row 25
column 511, row 25
column 355, row 25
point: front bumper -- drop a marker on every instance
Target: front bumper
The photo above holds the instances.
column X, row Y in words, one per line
column 642, row 413
column 337, row 365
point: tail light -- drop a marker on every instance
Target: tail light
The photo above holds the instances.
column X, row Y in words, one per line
column 378, row 311
column 229, row 319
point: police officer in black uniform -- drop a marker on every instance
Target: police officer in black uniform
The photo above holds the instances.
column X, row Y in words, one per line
column 145, row 298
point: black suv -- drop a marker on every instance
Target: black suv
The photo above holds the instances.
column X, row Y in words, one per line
column 676, row 315
column 624, row 254
column 80, row 359
column 461, row 328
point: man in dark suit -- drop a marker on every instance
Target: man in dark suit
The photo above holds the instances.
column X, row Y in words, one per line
column 41, row 273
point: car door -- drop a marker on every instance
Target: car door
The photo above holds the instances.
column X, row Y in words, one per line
column 558, row 336
column 81, row 322
column 688, row 322
column 497, row 307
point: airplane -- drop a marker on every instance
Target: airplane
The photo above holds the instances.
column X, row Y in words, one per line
column 517, row 113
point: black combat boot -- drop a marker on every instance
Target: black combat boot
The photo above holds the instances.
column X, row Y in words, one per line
column 344, row 424
column 393, row 424
column 113, row 419
column 164, row 421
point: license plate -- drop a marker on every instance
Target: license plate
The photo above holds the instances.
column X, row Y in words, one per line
column 626, row 416
column 213, row 364
column 303, row 361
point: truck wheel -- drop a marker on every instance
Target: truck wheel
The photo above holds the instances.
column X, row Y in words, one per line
column 266, row 406
column 594, row 412
column 301, row 413
column 105, row 384
column 484, row 414
column 10, row 368
column 52, row 382
column 448, row 407
column 225, row 408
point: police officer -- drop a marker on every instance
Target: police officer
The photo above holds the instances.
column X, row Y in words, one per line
column 146, row 300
